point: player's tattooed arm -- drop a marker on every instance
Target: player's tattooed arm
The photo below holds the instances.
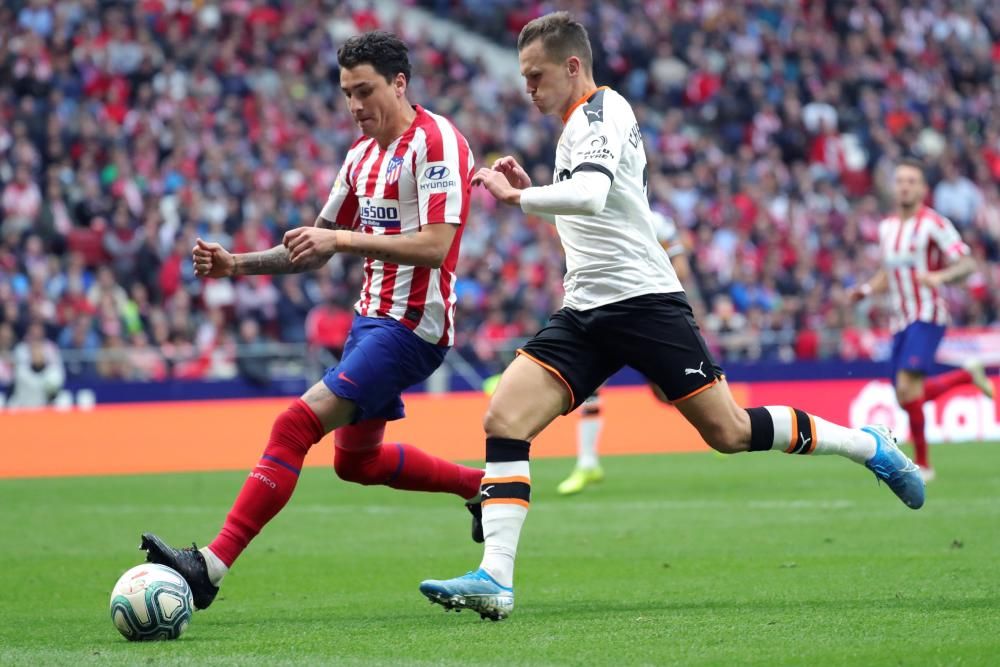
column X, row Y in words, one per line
column 278, row 260
column 266, row 262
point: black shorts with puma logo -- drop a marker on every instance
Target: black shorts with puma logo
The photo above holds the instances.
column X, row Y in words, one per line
column 656, row 334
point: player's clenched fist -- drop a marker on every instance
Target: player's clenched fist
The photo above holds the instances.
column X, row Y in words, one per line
column 211, row 260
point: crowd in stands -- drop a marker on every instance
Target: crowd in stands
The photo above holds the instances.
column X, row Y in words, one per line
column 129, row 129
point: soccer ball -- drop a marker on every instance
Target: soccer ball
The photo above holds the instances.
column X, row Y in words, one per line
column 151, row 602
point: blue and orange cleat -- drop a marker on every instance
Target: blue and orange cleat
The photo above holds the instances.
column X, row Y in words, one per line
column 477, row 591
column 891, row 466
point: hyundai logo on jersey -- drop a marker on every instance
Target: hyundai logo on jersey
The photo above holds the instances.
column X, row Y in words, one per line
column 436, row 173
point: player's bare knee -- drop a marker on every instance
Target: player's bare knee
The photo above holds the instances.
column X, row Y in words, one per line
column 909, row 387
column 497, row 422
column 908, row 393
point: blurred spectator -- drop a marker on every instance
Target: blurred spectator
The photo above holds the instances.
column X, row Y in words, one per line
column 7, row 341
column 79, row 342
column 253, row 362
column 122, row 242
column 956, row 197
column 144, row 362
column 328, row 323
column 21, row 201
column 38, row 377
column 293, row 309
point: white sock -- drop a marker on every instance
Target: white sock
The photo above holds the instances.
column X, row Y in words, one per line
column 797, row 432
column 503, row 516
column 216, row 568
column 587, row 431
column 850, row 443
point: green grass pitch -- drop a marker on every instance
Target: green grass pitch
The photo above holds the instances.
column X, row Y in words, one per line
column 687, row 559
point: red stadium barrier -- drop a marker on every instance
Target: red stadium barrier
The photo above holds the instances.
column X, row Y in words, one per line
column 229, row 435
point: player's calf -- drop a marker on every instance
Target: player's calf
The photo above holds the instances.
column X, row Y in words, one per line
column 727, row 430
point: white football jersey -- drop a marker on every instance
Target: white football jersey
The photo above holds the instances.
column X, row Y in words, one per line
column 614, row 255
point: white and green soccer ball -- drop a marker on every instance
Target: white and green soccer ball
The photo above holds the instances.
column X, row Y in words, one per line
column 151, row 602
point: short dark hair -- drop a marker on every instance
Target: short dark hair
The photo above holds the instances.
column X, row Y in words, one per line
column 562, row 36
column 382, row 50
column 913, row 163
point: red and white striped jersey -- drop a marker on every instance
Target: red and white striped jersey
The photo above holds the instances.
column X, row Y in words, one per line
column 422, row 178
column 924, row 243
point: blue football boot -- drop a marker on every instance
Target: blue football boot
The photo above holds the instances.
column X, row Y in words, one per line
column 476, row 590
column 891, row 466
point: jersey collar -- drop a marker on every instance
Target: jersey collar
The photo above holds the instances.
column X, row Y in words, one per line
column 580, row 101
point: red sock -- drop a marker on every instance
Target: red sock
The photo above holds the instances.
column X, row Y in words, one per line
column 915, row 410
column 415, row 470
column 406, row 467
column 271, row 483
column 935, row 386
column 360, row 457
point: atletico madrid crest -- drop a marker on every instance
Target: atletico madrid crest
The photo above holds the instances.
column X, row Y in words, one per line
column 393, row 170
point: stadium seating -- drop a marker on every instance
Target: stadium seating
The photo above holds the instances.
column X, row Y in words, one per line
column 770, row 128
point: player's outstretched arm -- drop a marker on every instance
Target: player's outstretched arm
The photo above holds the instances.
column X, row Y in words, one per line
column 879, row 283
column 584, row 194
column 211, row 260
column 429, row 247
column 272, row 261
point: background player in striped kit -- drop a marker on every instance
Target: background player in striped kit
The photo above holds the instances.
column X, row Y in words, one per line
column 588, row 469
column 400, row 201
column 623, row 306
column 921, row 253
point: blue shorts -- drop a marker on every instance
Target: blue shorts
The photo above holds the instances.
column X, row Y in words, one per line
column 914, row 347
column 381, row 358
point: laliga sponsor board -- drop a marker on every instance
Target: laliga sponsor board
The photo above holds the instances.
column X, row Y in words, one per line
column 961, row 415
column 101, row 440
